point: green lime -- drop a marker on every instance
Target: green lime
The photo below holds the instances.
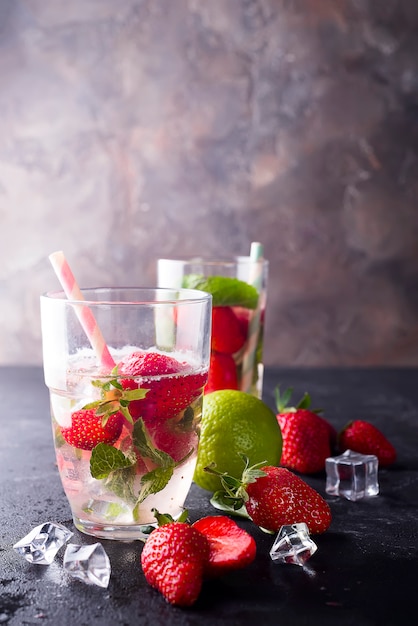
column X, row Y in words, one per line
column 234, row 423
column 226, row 291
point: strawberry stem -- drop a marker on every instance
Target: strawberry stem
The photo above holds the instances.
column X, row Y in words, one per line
column 283, row 401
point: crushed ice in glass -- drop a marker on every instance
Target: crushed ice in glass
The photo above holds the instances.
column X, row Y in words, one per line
column 42, row 543
column 352, row 475
column 293, row 545
column 88, row 563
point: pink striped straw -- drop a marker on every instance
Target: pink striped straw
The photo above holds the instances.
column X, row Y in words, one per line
column 84, row 314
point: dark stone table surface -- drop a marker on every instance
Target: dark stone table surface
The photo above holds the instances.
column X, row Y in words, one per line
column 363, row 573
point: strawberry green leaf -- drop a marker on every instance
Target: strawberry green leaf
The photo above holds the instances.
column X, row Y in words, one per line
column 134, row 394
column 166, row 518
column 183, row 517
column 114, row 399
column 283, row 401
column 226, row 291
column 233, row 506
column 107, row 408
column 106, row 459
column 162, row 518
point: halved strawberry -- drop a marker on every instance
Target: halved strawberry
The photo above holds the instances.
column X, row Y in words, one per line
column 227, row 336
column 87, row 429
column 230, row 547
column 222, row 373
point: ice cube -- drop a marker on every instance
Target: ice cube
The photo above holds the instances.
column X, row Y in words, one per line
column 43, row 542
column 293, row 545
column 352, row 475
column 89, row 564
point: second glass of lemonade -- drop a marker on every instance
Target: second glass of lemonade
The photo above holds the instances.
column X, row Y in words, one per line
column 126, row 414
column 238, row 286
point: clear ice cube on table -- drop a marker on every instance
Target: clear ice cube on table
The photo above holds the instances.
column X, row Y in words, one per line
column 88, row 563
column 352, row 475
column 43, row 542
column 293, row 545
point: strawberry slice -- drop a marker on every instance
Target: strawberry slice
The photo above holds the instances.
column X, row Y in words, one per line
column 222, row 373
column 171, row 389
column 230, row 547
column 227, row 335
column 87, row 429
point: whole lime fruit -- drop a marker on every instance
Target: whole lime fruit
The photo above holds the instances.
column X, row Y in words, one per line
column 235, row 423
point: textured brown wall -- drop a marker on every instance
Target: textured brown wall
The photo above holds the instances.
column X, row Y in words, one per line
column 135, row 129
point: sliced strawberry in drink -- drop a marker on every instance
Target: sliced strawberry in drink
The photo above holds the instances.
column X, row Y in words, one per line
column 227, row 335
column 222, row 373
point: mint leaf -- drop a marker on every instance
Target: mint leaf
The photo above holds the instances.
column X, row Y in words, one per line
column 121, row 482
column 226, row 291
column 142, row 441
column 106, row 459
column 154, row 481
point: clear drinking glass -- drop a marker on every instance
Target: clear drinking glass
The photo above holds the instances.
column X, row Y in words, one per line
column 126, row 414
column 239, row 290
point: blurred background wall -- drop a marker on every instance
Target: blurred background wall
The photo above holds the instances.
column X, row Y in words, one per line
column 133, row 129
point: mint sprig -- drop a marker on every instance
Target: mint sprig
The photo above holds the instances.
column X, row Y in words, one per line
column 118, row 468
column 226, row 291
column 106, row 459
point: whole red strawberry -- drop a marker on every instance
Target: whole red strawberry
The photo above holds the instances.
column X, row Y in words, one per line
column 171, row 388
column 273, row 497
column 230, row 547
column 87, row 429
column 308, row 439
column 281, row 498
column 222, row 373
column 173, row 560
column 227, row 335
column 364, row 437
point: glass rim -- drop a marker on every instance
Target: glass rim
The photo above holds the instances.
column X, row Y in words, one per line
column 230, row 261
column 190, row 296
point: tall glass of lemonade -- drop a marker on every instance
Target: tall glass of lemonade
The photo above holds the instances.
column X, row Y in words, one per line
column 126, row 423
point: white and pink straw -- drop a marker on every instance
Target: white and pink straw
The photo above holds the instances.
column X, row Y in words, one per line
column 255, row 279
column 84, row 314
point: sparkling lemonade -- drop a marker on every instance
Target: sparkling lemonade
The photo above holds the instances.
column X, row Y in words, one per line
column 150, row 462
